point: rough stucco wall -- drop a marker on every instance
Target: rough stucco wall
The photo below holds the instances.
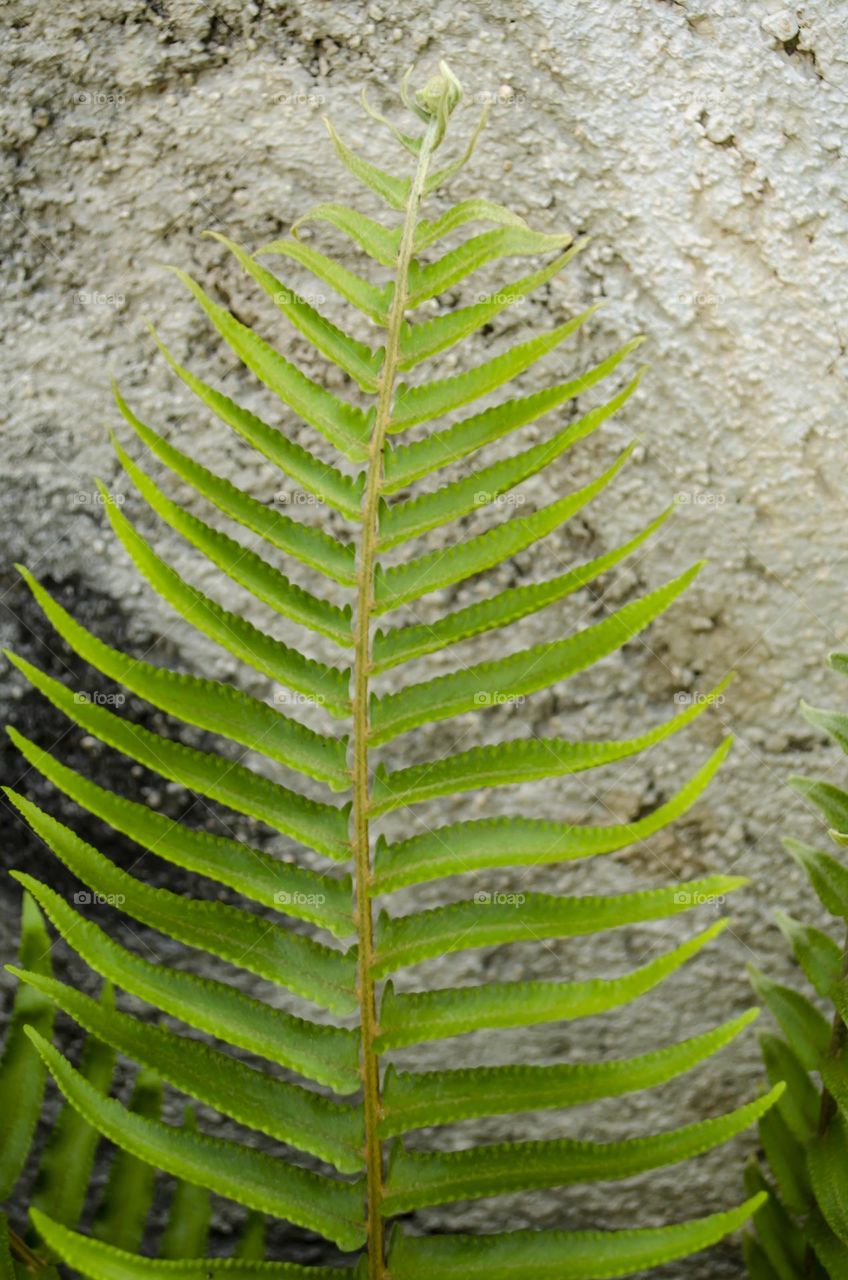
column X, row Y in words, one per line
column 700, row 146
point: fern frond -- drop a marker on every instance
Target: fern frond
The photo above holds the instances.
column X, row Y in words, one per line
column 435, row 399
column 355, row 358
column 21, row 1073
column 401, row 644
column 103, row 1262
column 402, row 521
column 346, row 1102
column 804, row 1228
column 426, row 338
column 417, row 1178
column 342, row 424
column 529, row 760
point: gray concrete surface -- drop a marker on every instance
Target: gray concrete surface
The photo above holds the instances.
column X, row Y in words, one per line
column 700, row 145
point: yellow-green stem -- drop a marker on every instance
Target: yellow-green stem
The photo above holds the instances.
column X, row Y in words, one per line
column 31, row 1260
column 361, row 841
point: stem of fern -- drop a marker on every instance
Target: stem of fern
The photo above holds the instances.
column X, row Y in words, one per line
column 370, row 1065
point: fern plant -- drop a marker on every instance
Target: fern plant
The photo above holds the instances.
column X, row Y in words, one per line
column 803, row 1229
column 343, row 1110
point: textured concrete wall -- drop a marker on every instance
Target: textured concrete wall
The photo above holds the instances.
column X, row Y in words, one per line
column 700, row 144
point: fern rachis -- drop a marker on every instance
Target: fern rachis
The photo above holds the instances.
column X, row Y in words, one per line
column 355, row 1125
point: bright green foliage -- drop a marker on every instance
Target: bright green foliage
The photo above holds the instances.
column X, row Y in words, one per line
column 322, row 929
column 61, row 1184
column 803, row 1229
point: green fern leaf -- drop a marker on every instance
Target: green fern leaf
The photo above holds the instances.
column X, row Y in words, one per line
column 407, row 520
column 491, row 683
column 287, row 1112
column 310, row 546
column 503, row 842
column 434, row 399
column 307, row 967
column 400, row 644
column 426, row 338
column 21, row 1074
column 435, row 1015
column 355, row 358
column 558, row 1255
column 429, row 231
column 228, row 1168
column 340, row 423
column 323, row 1053
column 402, row 583
column 187, row 1228
column 526, row 760
column 103, row 1262
column 441, row 275
column 229, row 1049
column 817, row 954
column 413, row 1100
column 829, row 1176
column 321, row 826
column 122, row 1214
column 395, row 191
column 416, row 1179
column 238, row 637
column 804, row 1026
column 406, row 463
column 800, row 1104
column 241, row 564
column 491, row 920
column 804, row 1228
column 379, row 242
